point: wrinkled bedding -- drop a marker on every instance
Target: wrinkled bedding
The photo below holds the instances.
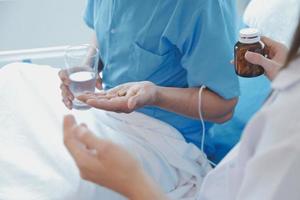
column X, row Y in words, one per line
column 34, row 164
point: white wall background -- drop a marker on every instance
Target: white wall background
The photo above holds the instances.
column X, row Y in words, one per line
column 26, row 24
column 41, row 23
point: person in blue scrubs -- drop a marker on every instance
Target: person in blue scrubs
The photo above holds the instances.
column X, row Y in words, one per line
column 171, row 43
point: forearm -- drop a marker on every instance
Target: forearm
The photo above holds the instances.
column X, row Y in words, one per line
column 186, row 101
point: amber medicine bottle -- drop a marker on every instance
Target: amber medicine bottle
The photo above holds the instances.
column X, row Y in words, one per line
column 249, row 40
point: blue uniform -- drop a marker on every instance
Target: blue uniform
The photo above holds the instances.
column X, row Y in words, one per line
column 173, row 43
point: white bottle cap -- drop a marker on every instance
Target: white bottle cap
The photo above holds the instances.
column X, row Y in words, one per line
column 249, row 35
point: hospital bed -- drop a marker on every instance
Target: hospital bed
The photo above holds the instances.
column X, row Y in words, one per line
column 34, row 164
column 52, row 56
column 33, row 161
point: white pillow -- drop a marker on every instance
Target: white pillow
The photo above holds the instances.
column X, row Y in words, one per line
column 274, row 18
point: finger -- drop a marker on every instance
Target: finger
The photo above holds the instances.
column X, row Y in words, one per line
column 88, row 93
column 98, row 85
column 94, row 96
column 273, row 45
column 68, row 124
column 259, row 59
column 96, row 146
column 115, row 90
column 118, row 104
column 132, row 103
column 133, row 99
column 132, row 92
column 82, row 157
column 88, row 139
column 267, row 41
column 122, row 93
column 136, row 102
column 65, row 91
column 67, row 103
column 77, row 149
column 103, row 104
column 99, row 82
column 270, row 42
column 106, row 95
column 86, row 97
column 63, row 75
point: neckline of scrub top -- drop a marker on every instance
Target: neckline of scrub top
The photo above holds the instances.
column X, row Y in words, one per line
column 288, row 76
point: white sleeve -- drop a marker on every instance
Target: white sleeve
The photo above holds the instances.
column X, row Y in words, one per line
column 273, row 173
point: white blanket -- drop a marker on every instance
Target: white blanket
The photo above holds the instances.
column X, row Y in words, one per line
column 34, row 163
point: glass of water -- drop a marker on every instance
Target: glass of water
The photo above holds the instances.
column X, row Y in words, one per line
column 81, row 66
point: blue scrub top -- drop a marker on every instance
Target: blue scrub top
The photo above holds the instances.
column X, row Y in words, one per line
column 172, row 43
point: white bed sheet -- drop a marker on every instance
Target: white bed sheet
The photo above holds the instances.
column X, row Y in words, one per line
column 34, row 163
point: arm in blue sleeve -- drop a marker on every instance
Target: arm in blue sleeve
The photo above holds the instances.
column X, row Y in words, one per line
column 206, row 41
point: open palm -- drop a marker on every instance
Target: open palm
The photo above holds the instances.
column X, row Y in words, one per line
column 124, row 98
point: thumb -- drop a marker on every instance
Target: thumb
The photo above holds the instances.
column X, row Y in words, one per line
column 132, row 101
column 135, row 102
column 99, row 82
column 259, row 59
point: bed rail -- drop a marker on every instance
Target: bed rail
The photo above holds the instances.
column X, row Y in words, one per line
column 30, row 54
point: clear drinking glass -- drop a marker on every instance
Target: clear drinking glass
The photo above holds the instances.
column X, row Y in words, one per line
column 81, row 65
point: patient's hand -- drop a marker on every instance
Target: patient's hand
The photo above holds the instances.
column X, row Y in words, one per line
column 107, row 164
column 67, row 96
column 277, row 57
column 124, row 98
